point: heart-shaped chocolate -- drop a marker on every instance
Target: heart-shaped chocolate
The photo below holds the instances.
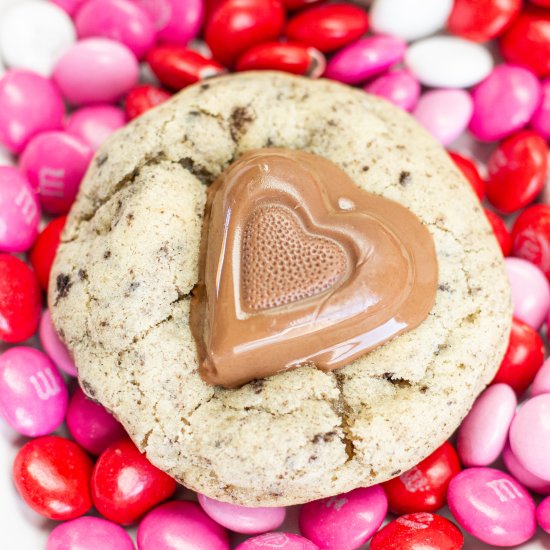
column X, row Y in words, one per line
column 300, row 266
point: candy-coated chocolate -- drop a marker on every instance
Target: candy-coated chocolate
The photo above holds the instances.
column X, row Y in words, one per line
column 541, row 382
column 283, row 541
column 177, row 66
column 55, row 163
column 243, row 519
column 423, row 488
column 6, row 158
column 526, row 478
column 291, row 4
column 328, row 27
column 365, row 58
column 52, row 475
column 523, row 357
column 530, row 291
column 540, row 121
column 29, row 104
column 33, row 395
column 444, row 113
column 543, row 514
column 19, row 211
column 492, row 506
column 89, row 533
column 502, row 234
column 96, row 70
column 125, row 485
column 469, row 169
column 235, row 26
column 70, row 6
column 543, row 3
column 398, row 87
column 142, row 98
column 42, row 253
column 421, row 531
column 483, row 433
column 504, row 102
column 482, row 20
column 180, row 524
column 530, row 436
column 54, row 347
column 20, row 300
column 95, row 124
column 344, row 521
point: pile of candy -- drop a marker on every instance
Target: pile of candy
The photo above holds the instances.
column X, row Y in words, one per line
column 74, row 63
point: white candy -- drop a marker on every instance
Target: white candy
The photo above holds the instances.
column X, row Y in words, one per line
column 409, row 19
column 448, row 62
column 34, row 35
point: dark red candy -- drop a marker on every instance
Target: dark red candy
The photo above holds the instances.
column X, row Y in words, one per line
column 470, row 172
column 543, row 3
column 500, row 230
column 531, row 236
column 482, row 20
column 424, row 487
column 125, row 485
column 527, row 41
column 235, row 26
column 52, row 475
column 43, row 251
column 329, row 26
column 422, row 531
column 20, row 300
column 517, row 171
column 299, row 4
column 523, row 358
column 142, row 98
column 178, row 66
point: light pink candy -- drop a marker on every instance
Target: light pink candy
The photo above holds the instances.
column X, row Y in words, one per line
column 345, row 521
column 281, row 541
column 398, row 87
column 95, row 124
column 96, row 70
column 483, row 433
column 541, row 383
column 543, row 514
column 530, row 436
column 444, row 113
column 89, row 533
column 541, row 118
column 530, row 291
column 29, row 104
column 504, row 102
column 53, row 346
column 91, row 425
column 19, row 211
column 527, row 479
column 180, row 524
column 33, row 396
column 121, row 20
column 177, row 21
column 243, row 519
column 70, row 6
column 492, row 506
column 55, row 163
column 365, row 58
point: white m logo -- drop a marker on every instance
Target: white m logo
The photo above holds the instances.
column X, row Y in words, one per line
column 504, row 489
column 45, row 384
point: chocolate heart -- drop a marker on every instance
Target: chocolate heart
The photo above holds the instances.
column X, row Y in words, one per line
column 300, row 266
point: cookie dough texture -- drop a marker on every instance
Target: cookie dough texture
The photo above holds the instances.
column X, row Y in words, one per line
column 121, row 284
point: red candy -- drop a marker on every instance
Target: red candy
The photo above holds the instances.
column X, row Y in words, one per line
column 517, row 171
column 52, row 475
column 523, row 358
column 424, row 487
column 482, row 20
column 501, row 231
column 235, row 26
column 142, row 98
column 125, row 485
column 43, row 252
column 421, row 531
column 470, row 172
column 20, row 300
column 328, row 27
column 527, row 41
column 298, row 4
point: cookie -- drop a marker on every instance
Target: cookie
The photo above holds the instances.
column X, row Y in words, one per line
column 122, row 281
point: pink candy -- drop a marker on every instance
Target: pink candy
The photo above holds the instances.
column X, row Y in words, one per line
column 282, row 541
column 55, row 163
column 492, row 506
column 527, row 479
column 541, row 119
column 541, row 383
column 543, row 514
column 70, row 6
column 29, row 104
column 96, row 70
column 54, row 347
column 33, row 396
column 19, row 211
column 398, row 87
column 345, row 521
column 178, row 525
